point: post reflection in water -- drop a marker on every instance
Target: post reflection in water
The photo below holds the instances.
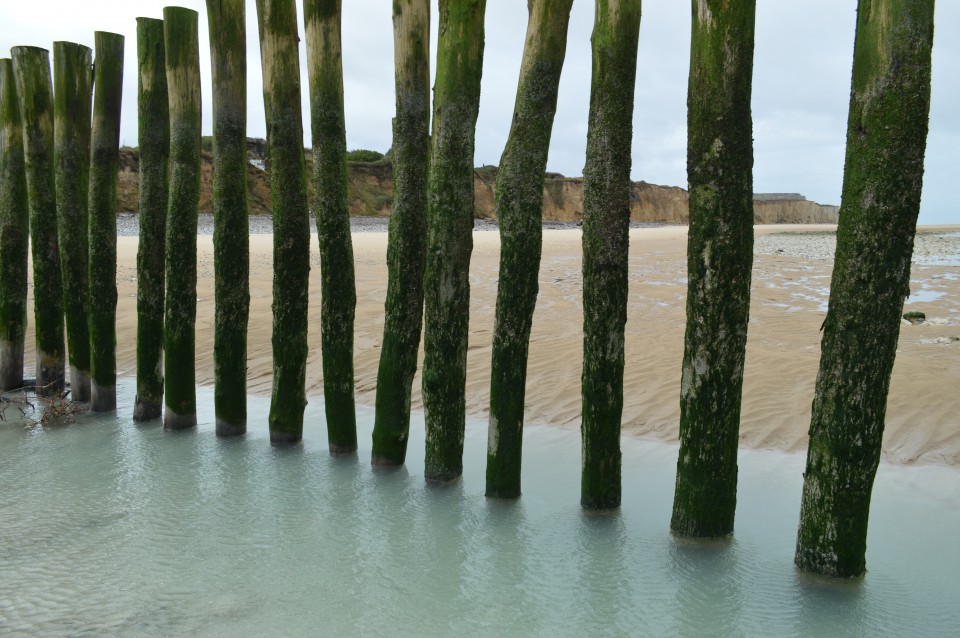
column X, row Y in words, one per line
column 823, row 604
column 708, row 597
column 606, row 575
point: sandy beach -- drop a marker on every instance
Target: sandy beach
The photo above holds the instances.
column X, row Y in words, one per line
column 790, row 287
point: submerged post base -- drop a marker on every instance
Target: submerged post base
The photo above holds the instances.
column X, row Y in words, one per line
column 284, row 438
column 50, row 375
column 694, row 532
column 703, row 511
column 144, row 410
column 385, row 461
column 103, row 398
column 80, row 389
column 174, row 421
column 598, row 504
column 442, row 478
column 11, row 365
column 701, row 541
column 816, row 562
column 503, row 493
column 600, row 513
column 231, row 429
column 342, row 450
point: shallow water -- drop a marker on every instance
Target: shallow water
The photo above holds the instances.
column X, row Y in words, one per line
column 111, row 528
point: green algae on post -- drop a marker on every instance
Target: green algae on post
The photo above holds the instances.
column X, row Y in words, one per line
column 882, row 183
column 153, row 127
column 519, row 206
column 338, row 289
column 407, row 233
column 104, row 160
column 606, row 224
column 14, row 231
column 31, row 66
column 231, row 233
column 183, row 88
column 277, row 20
column 719, row 261
column 450, row 234
column 72, row 93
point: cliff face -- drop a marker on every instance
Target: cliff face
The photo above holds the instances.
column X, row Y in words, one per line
column 128, row 184
column 563, row 200
column 371, row 192
column 793, row 211
column 371, row 187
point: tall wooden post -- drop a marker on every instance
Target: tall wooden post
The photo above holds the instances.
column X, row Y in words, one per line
column 105, row 157
column 719, row 262
column 231, row 231
column 882, row 183
column 450, row 234
column 519, row 206
column 14, row 234
column 72, row 93
column 31, row 66
column 407, row 239
column 606, row 226
column 338, row 290
column 279, row 53
column 153, row 125
column 183, row 87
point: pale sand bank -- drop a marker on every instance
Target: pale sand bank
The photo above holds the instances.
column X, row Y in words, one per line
column 788, row 307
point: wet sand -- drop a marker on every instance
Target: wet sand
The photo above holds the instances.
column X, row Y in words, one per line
column 790, row 286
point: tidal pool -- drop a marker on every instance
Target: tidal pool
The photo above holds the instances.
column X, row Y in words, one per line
column 109, row 528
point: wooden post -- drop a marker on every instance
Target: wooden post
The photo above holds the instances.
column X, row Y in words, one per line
column 183, row 86
column 882, row 183
column 338, row 291
column 31, row 67
column 606, row 226
column 450, row 234
column 279, row 53
column 14, row 234
column 719, row 263
column 231, row 231
column 72, row 93
column 407, row 240
column 105, row 157
column 519, row 206
column 153, row 126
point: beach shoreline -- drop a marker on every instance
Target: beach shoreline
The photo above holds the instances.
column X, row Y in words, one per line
column 789, row 295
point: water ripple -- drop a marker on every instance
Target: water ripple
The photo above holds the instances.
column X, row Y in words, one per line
column 111, row 528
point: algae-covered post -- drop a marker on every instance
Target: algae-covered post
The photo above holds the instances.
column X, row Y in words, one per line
column 519, row 206
column 104, row 159
column 450, row 234
column 72, row 92
column 14, row 223
column 231, row 234
column 882, row 182
column 279, row 53
column 338, row 290
column 407, row 234
column 154, row 139
column 183, row 88
column 606, row 225
column 31, row 66
column 719, row 259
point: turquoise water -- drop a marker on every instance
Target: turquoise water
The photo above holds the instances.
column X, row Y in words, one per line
column 111, row 528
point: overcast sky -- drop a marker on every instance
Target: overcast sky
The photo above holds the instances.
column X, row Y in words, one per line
column 800, row 92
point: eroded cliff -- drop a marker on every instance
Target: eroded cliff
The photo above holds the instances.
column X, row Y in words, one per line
column 371, row 191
